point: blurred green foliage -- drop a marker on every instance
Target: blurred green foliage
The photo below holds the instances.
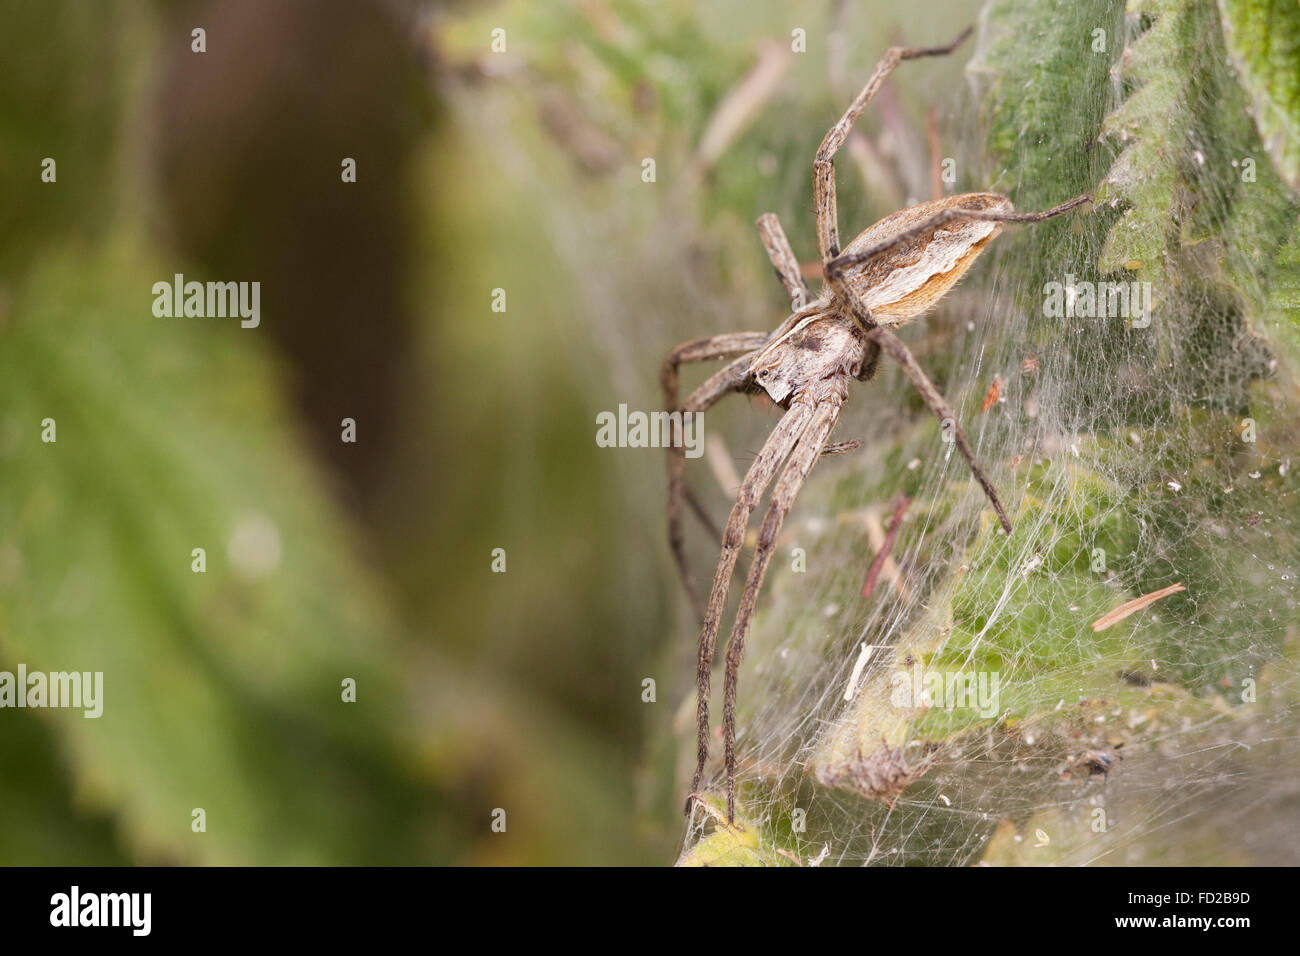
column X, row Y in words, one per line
column 223, row 689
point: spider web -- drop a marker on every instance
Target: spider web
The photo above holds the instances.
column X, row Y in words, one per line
column 1167, row 737
column 1131, row 456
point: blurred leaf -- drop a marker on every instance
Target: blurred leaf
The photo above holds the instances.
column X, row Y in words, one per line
column 222, row 689
column 63, row 82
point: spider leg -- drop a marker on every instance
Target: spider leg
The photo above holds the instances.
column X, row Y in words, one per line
column 702, row 350
column 900, row 353
column 778, row 445
column 783, row 259
column 841, row 447
column 716, row 387
column 702, row 514
column 801, row 461
column 869, row 362
column 828, row 237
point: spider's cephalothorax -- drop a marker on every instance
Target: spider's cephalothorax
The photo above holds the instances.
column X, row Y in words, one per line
column 814, row 363
column 891, row 273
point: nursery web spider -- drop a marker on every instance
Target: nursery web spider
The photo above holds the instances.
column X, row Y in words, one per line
column 888, row 275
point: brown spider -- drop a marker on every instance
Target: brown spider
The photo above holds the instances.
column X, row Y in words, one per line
column 1094, row 763
column 888, row 275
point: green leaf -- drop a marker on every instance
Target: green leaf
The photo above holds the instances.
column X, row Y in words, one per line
column 1263, row 38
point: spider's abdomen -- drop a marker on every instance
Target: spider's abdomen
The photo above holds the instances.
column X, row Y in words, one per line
column 901, row 283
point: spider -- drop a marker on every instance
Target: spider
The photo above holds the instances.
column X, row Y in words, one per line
column 1095, row 762
column 887, row 276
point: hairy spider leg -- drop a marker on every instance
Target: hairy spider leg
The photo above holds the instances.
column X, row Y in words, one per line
column 802, row 459
column 900, row 353
column 774, row 451
column 783, row 259
column 701, row 513
column 828, row 235
column 718, row 385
